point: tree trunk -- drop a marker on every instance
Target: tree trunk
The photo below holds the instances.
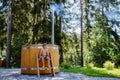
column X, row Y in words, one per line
column 81, row 41
column 9, row 23
column 45, row 8
column 87, row 24
column 61, row 48
column 34, row 23
column 2, row 46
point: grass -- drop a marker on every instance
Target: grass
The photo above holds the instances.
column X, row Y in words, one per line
column 95, row 72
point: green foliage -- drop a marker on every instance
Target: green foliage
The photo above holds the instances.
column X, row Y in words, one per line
column 31, row 24
column 21, row 29
column 118, row 67
column 90, row 65
column 108, row 65
column 16, row 50
column 100, row 46
column 71, row 48
column 2, row 35
column 66, row 65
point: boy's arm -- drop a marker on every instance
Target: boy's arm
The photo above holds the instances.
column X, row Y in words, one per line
column 41, row 52
column 47, row 52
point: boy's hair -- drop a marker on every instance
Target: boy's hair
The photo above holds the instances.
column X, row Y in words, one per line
column 44, row 44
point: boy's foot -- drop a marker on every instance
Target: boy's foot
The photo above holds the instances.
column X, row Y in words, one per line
column 49, row 67
column 43, row 66
column 38, row 58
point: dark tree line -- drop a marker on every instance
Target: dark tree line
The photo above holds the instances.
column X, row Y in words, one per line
column 29, row 22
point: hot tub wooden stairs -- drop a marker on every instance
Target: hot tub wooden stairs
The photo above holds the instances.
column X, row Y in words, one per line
column 45, row 68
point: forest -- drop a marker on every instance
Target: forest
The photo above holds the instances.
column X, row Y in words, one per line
column 24, row 22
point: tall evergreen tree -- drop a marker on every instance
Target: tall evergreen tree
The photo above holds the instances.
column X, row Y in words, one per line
column 9, row 24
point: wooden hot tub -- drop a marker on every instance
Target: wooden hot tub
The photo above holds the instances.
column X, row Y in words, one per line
column 28, row 58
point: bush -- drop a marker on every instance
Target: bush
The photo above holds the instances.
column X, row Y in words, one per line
column 108, row 65
column 66, row 65
column 90, row 65
column 118, row 67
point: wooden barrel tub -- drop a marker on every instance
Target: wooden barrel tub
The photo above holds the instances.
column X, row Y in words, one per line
column 29, row 61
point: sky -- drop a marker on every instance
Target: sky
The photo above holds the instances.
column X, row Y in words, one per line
column 0, row 4
column 72, row 16
column 112, row 14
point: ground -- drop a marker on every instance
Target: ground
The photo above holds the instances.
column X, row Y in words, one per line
column 14, row 74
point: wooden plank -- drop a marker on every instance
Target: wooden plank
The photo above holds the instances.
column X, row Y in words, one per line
column 38, row 71
column 52, row 66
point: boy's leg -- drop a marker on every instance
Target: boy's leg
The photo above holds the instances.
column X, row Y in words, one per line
column 48, row 60
column 43, row 64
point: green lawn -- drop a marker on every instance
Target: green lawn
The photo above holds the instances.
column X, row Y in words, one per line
column 99, row 72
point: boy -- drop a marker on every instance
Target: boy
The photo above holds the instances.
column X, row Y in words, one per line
column 44, row 55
